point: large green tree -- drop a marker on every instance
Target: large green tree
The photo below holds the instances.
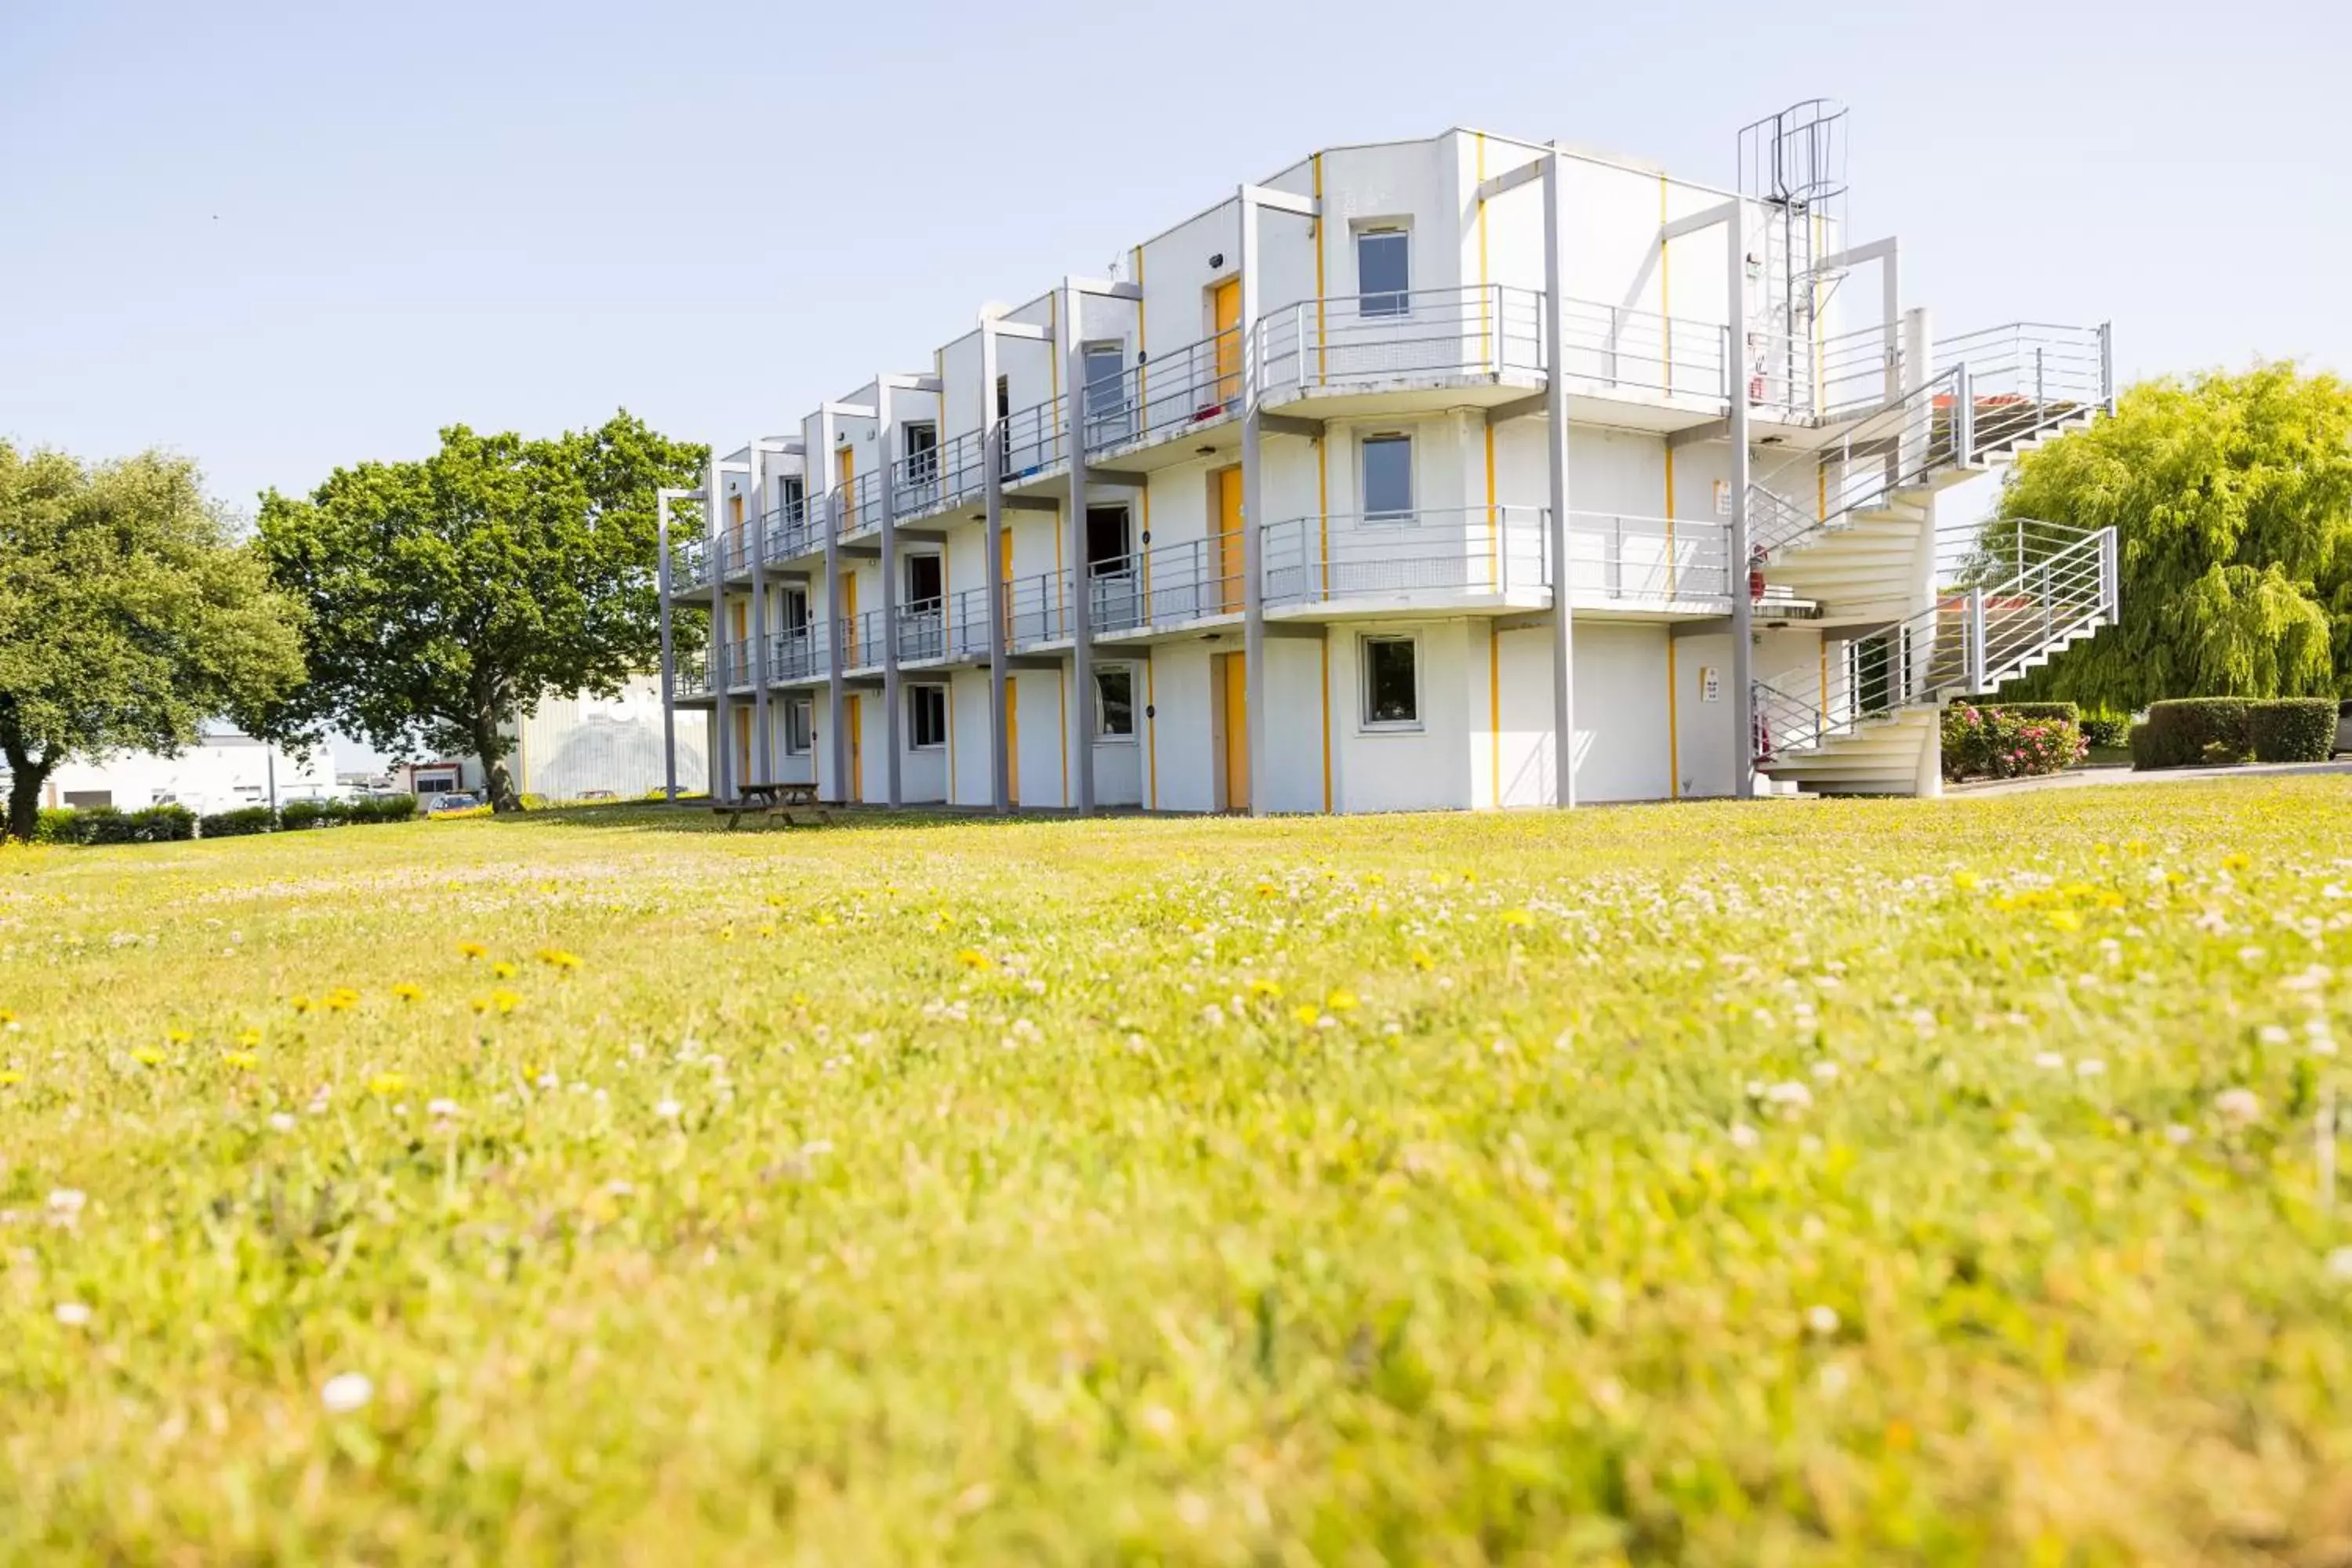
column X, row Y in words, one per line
column 449, row 596
column 129, row 614
column 2232, row 500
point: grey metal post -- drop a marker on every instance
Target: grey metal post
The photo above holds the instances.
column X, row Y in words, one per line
column 1563, row 616
column 1743, row 651
column 991, row 458
column 838, row 745
column 887, row 442
column 2108, row 364
column 761, row 765
column 722, row 777
column 1253, row 681
column 669, row 651
column 1082, row 617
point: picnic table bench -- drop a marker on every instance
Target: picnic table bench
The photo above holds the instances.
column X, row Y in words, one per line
column 773, row 800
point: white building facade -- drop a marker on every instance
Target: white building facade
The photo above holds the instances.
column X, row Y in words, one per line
column 1463, row 473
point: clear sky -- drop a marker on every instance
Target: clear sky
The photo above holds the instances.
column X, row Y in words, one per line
column 282, row 237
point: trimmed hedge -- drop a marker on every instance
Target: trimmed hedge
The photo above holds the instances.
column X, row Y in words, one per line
column 2192, row 731
column 2292, row 729
column 2109, row 735
column 382, row 808
column 2022, row 740
column 297, row 814
column 236, row 824
column 56, row 824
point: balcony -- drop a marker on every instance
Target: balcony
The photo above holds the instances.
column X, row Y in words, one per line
column 1166, row 397
column 793, row 532
column 856, row 505
column 691, row 565
column 922, row 632
column 1034, row 441
column 798, row 654
column 861, row 640
column 923, row 484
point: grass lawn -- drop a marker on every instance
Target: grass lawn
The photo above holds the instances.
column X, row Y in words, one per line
column 1799, row 1182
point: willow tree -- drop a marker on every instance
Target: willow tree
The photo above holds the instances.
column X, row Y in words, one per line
column 449, row 594
column 2230, row 497
column 130, row 615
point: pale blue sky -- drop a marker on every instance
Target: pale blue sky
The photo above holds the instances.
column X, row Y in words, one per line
column 281, row 237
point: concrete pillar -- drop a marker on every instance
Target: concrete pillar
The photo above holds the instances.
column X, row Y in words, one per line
column 761, row 764
column 669, row 651
column 722, row 772
column 1563, row 616
column 888, row 441
column 1743, row 646
column 1000, row 762
column 1082, row 619
column 838, row 743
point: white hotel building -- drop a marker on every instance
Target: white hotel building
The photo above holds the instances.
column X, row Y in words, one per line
column 1465, row 472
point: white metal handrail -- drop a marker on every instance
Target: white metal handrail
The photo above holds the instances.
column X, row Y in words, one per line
column 1899, row 445
column 1638, row 559
column 861, row 639
column 1613, row 348
column 1037, row 609
column 945, row 476
column 797, row 653
column 2027, row 378
column 1352, row 340
column 1482, row 550
column 1166, row 391
column 1032, row 439
column 690, row 563
column 922, row 630
column 790, row 532
column 967, row 625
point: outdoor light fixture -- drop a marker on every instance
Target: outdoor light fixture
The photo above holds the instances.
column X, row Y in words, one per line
column 1204, row 451
column 1216, row 261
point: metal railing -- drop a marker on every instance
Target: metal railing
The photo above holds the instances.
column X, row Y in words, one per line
column 1165, row 393
column 691, row 563
column 856, row 504
column 861, row 639
column 1612, row 348
column 1652, row 559
column 2027, row 378
column 1896, row 448
column 1360, row 339
column 695, row 678
column 790, row 531
column 922, row 630
column 1973, row 639
column 797, row 653
column 1803, row 379
column 948, row 475
column 967, row 625
column 1032, row 439
column 1168, row 585
column 1037, row 609
column 1481, row 550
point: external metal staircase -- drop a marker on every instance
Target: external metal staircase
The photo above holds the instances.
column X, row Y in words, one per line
column 1862, row 724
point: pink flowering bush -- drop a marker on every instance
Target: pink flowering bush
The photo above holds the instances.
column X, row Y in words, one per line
column 1987, row 742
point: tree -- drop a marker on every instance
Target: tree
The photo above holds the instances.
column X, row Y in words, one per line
column 130, row 615
column 2232, row 500
column 447, row 596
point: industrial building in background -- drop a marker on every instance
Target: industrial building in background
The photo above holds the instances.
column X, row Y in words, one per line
column 1465, row 472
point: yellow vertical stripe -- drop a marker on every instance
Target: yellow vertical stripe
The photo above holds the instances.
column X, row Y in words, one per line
column 1494, row 524
column 1495, row 713
column 1323, row 505
column 1326, row 720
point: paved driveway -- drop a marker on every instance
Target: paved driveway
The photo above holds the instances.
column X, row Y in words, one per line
column 2085, row 778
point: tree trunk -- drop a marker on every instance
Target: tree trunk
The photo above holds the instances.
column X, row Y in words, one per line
column 25, row 778
column 497, row 777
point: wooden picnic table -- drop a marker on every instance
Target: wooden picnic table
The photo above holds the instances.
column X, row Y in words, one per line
column 762, row 799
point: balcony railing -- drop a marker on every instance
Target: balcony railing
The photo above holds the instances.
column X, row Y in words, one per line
column 922, row 630
column 1032, row 439
column 1166, row 393
column 1611, row 348
column 797, row 653
column 2027, row 378
column 926, row 482
column 1486, row 549
column 694, row 679
column 861, row 639
column 1367, row 339
column 967, row 625
column 791, row 531
column 690, row 565
column 1037, row 609
column 1652, row 560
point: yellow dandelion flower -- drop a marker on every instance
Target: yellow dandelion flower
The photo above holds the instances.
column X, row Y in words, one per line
column 800, row 998
column 505, row 1001
column 2235, row 862
column 1307, row 1015
column 343, row 998
column 7, row 1017
column 240, row 1060
column 178, row 1036
column 11, row 1077
column 972, row 958
column 1421, row 959
column 1966, row 881
column 407, row 991
column 505, row 968
column 1265, row 990
column 301, row 1004
column 2064, row 920
column 147, row 1056
column 1517, row 918
column 556, row 958
column 472, row 950
column 248, row 1038
column 727, row 934
column 1340, row 1001
column 384, row 1085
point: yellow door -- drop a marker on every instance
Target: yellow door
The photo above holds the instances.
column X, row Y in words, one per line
column 735, row 545
column 1007, row 589
column 845, row 467
column 1013, row 740
column 1237, row 770
column 850, row 720
column 745, row 768
column 1225, row 310
column 1229, row 538
column 852, row 656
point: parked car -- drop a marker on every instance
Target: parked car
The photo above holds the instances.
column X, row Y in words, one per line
column 2343, row 726
column 453, row 800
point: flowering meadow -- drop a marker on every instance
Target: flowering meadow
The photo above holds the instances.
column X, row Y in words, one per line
column 1797, row 1182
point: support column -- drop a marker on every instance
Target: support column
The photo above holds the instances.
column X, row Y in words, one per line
column 991, row 458
column 668, row 650
column 723, row 775
column 838, row 743
column 761, row 764
column 1082, row 610
column 1253, row 513
column 1918, row 435
column 1556, row 529
column 888, row 441
column 1743, row 603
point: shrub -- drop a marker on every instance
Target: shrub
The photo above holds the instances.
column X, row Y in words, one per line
column 102, row 824
column 2292, row 729
column 56, row 824
column 381, row 808
column 297, row 814
column 235, row 822
column 2039, row 712
column 2010, row 742
column 161, row 825
column 2107, row 734
column 534, row 803
column 2191, row 730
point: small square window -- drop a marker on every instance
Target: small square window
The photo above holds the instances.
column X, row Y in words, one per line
column 1391, row 683
column 1383, row 272
column 799, row 719
column 927, row 716
column 1388, row 479
column 1114, row 703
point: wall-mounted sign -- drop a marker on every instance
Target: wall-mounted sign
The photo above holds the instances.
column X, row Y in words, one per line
column 1710, row 684
column 1723, row 498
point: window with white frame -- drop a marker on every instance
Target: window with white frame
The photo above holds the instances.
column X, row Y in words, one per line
column 1386, row 466
column 1391, row 682
column 927, row 716
column 1114, row 703
column 1107, row 411
column 1383, row 270
column 800, row 719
